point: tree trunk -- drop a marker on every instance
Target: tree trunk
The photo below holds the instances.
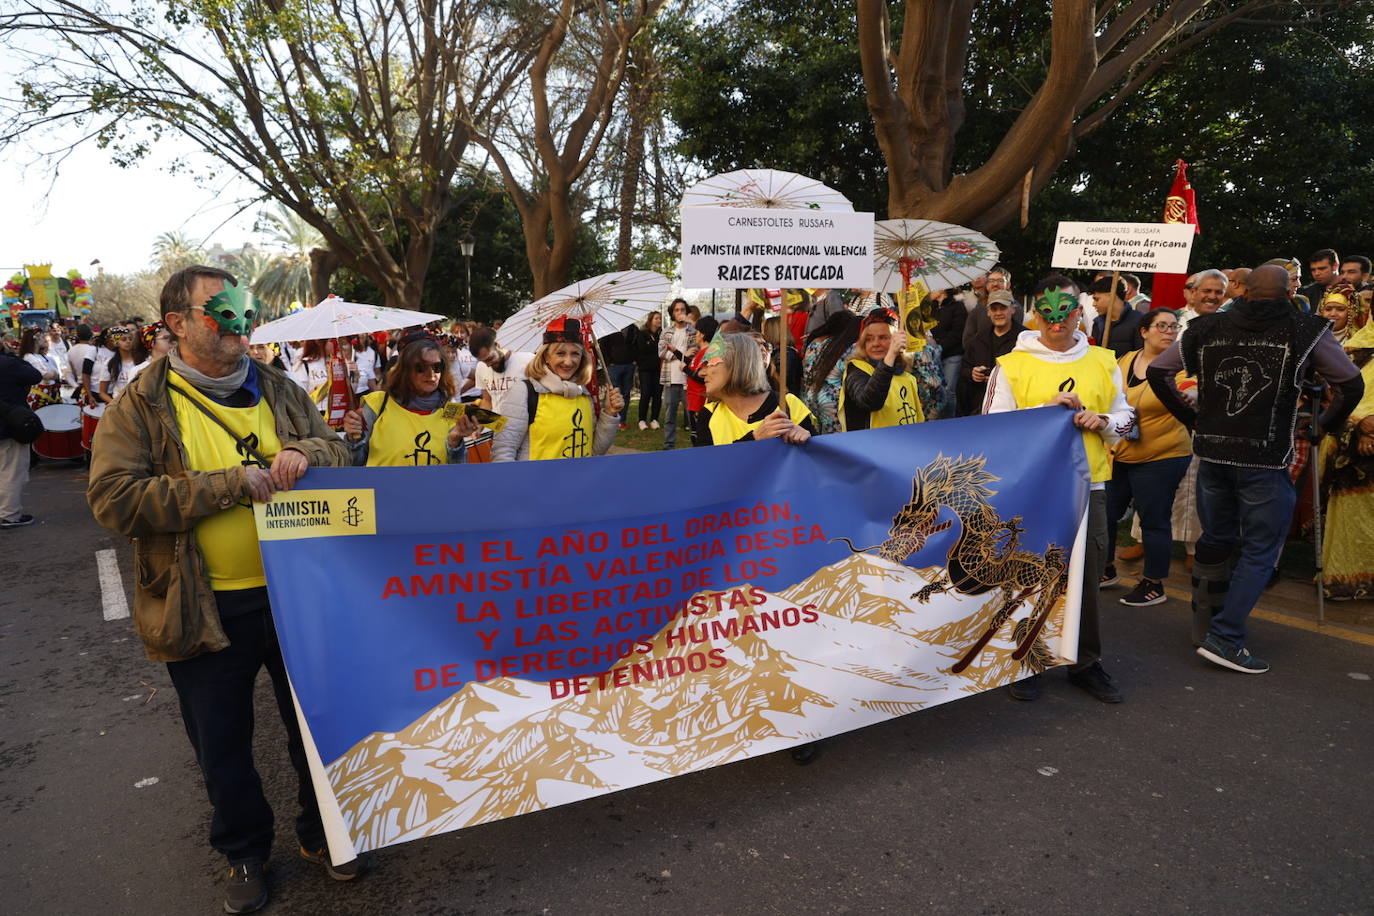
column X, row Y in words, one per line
column 639, row 97
column 547, row 214
column 915, row 96
column 323, row 263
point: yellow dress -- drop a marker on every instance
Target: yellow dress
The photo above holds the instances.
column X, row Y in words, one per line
column 1348, row 482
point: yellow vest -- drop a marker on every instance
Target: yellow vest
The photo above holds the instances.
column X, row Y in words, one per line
column 228, row 539
column 561, row 427
column 1034, row 381
column 903, row 404
column 727, row 428
column 403, row 437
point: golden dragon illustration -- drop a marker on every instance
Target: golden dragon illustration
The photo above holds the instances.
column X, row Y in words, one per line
column 986, row 556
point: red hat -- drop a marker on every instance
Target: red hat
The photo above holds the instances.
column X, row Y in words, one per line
column 876, row 316
column 563, row 329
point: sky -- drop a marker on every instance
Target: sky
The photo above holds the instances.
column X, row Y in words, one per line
column 97, row 210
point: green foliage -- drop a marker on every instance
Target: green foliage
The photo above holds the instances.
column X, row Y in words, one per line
column 173, row 251
column 1274, row 121
column 775, row 84
column 501, row 277
column 1275, row 125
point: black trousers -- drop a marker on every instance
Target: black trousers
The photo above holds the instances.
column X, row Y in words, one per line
column 216, row 694
column 650, row 395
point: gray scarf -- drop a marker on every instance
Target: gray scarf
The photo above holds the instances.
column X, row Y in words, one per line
column 215, row 387
column 428, row 402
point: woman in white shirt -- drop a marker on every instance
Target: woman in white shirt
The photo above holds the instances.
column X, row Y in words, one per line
column 33, row 347
column 311, row 370
column 113, row 375
column 157, row 341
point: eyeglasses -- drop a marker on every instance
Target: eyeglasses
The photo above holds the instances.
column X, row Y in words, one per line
column 1159, row 326
column 427, row 366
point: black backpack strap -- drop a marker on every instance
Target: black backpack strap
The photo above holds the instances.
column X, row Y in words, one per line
column 531, row 401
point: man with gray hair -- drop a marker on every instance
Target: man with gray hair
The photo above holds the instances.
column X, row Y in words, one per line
column 1205, row 291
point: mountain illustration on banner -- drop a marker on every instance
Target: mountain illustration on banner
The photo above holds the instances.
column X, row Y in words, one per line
column 866, row 652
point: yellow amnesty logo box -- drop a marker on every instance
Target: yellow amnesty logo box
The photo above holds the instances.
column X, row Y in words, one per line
column 316, row 514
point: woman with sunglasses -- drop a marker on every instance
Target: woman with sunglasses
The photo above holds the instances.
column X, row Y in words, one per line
column 406, row 424
column 555, row 418
column 1148, row 463
column 114, row 374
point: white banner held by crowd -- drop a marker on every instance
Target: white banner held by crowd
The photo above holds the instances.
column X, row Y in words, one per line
column 1142, row 247
column 730, row 248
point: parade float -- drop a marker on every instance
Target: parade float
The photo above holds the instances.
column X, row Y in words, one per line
column 36, row 291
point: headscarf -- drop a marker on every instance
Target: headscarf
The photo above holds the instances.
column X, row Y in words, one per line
column 1354, row 309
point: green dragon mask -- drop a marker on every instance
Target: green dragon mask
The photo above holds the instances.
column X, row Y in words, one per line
column 233, row 309
column 1055, row 304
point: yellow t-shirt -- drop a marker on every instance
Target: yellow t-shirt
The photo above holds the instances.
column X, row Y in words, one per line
column 403, row 437
column 1161, row 436
column 903, row 404
column 228, row 540
column 1034, row 381
column 562, row 427
column 727, row 428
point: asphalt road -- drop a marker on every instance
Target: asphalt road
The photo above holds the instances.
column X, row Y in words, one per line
column 1205, row 792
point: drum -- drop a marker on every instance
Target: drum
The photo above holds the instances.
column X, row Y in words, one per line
column 61, row 436
column 90, row 417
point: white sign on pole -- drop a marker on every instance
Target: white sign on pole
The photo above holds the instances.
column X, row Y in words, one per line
column 735, row 248
column 1145, row 247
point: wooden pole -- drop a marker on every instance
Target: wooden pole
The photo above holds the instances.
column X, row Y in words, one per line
column 1107, row 322
column 783, row 334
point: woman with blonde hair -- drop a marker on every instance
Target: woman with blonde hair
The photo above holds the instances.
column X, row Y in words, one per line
column 556, row 418
column 741, row 406
column 878, row 387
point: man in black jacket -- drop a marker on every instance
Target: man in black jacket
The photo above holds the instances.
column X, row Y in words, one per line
column 1250, row 362
column 16, row 378
column 1325, row 268
column 950, row 318
column 983, row 348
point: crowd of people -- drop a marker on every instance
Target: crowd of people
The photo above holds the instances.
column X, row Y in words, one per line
column 1214, row 410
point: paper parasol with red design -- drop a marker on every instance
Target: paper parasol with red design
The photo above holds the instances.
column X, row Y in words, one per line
column 940, row 255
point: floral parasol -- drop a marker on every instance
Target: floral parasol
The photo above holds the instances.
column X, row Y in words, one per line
column 940, row 255
column 611, row 301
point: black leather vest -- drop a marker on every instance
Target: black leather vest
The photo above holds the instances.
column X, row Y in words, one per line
column 1248, row 385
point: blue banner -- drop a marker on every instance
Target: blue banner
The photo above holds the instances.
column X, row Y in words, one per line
column 472, row 642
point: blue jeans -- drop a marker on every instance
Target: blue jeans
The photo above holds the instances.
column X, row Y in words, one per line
column 1151, row 484
column 672, row 400
column 623, row 377
column 950, row 366
column 1252, row 508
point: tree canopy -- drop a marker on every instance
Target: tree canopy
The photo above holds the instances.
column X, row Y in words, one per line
column 766, row 84
column 354, row 114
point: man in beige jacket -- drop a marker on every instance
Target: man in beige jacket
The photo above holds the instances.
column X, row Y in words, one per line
column 177, row 462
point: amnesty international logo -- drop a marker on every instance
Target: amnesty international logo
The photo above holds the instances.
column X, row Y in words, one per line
column 353, row 516
column 316, row 514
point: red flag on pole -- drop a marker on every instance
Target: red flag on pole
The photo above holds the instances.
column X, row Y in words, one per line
column 1179, row 207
